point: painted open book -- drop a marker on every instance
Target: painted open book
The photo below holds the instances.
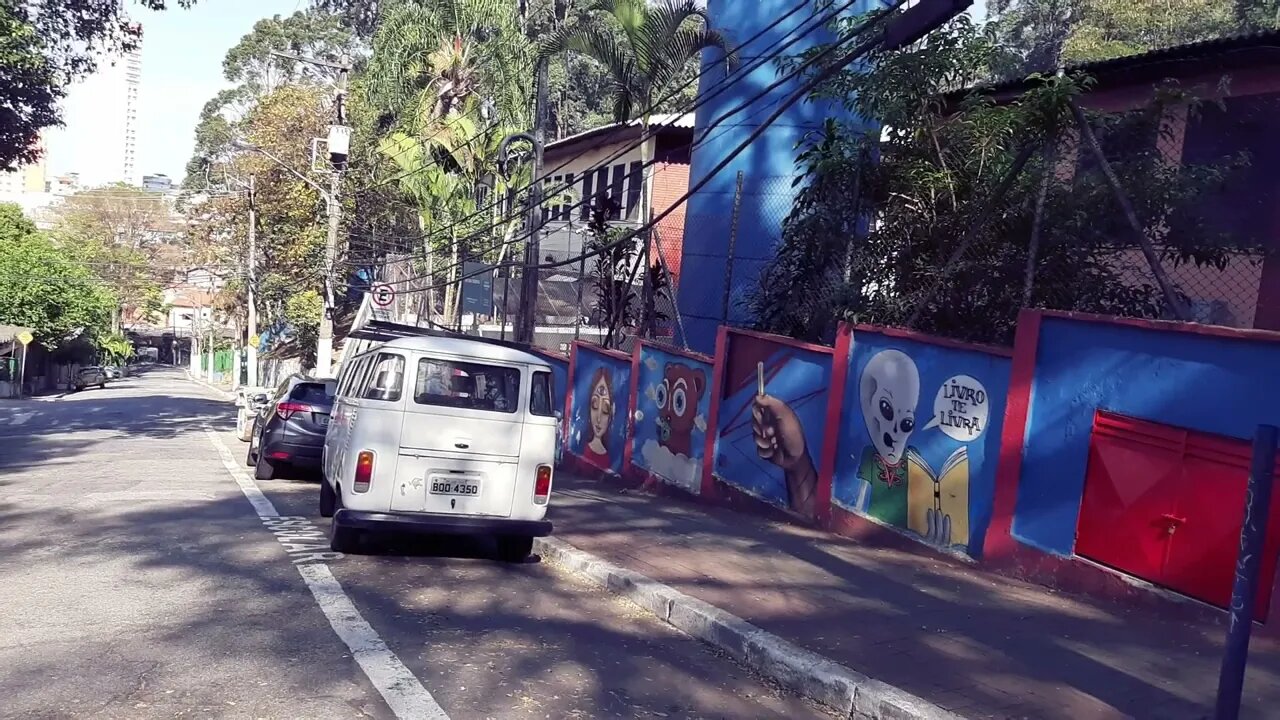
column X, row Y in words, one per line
column 938, row 503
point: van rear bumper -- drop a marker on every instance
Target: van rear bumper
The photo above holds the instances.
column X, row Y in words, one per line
column 440, row 524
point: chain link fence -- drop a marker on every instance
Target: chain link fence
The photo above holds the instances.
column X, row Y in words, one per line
column 1174, row 225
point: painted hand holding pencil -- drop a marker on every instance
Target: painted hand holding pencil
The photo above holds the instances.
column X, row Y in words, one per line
column 779, row 438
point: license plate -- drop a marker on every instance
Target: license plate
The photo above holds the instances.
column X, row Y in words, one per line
column 465, row 488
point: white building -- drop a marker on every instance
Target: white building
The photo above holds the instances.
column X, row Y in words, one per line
column 106, row 151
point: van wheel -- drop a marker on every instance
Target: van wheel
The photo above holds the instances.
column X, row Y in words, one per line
column 514, row 548
column 262, row 468
column 328, row 499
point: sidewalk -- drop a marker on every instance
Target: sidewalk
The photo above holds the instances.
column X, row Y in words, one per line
column 977, row 644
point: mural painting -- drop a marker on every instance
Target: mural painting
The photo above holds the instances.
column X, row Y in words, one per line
column 771, row 420
column 598, row 416
column 913, row 466
column 672, row 405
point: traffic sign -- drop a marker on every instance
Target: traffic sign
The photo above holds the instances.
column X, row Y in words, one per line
column 383, row 295
column 25, row 337
column 254, row 340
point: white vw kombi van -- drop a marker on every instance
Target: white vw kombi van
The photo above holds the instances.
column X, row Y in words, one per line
column 441, row 435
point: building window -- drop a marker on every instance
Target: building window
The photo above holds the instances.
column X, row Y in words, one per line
column 634, row 177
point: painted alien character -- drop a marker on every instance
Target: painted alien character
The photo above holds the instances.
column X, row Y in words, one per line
column 677, row 397
column 888, row 392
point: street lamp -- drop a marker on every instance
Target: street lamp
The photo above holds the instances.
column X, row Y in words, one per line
column 324, row 344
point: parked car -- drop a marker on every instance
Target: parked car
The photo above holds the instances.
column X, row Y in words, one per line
column 249, row 401
column 442, row 435
column 89, row 376
column 288, row 430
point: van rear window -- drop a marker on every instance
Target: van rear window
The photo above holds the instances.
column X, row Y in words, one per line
column 474, row 386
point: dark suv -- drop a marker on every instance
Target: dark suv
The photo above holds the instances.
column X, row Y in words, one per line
column 289, row 430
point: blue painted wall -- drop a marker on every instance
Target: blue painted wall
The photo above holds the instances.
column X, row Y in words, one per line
column 1214, row 385
column 935, row 403
column 768, row 165
column 603, row 376
column 673, row 402
column 799, row 379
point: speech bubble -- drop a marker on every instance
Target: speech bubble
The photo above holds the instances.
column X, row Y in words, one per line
column 961, row 408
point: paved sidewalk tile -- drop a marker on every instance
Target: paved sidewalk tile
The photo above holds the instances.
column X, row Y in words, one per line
column 972, row 642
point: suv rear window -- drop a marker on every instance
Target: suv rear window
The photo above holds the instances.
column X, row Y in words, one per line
column 312, row 393
column 474, row 386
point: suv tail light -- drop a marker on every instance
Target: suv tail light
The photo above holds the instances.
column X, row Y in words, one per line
column 286, row 409
column 364, row 471
column 542, row 486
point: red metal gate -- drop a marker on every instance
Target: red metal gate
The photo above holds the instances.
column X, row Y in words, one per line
column 1166, row 504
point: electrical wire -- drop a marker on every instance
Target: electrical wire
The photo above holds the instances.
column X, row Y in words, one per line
column 867, row 25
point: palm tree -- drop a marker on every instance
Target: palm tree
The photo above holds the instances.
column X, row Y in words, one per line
column 645, row 46
column 445, row 79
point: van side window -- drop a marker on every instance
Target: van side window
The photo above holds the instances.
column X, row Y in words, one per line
column 474, row 386
column 387, row 378
column 540, row 395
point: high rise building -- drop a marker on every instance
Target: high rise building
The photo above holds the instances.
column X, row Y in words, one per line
column 100, row 139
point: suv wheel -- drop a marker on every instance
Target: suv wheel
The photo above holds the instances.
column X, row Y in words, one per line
column 262, row 468
column 514, row 548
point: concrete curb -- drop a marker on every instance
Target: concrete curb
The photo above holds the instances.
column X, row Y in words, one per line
column 830, row 684
column 229, row 396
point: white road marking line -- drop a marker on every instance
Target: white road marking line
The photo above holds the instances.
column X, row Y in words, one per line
column 402, row 692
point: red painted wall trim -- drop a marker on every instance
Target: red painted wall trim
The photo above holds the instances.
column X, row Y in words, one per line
column 999, row 543
column 627, row 449
column 779, row 339
column 1217, row 331
column 678, row 351
column 713, row 422
column 568, row 399
column 831, row 438
column 617, row 354
column 920, row 337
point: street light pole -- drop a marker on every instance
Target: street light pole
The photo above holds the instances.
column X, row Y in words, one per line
column 252, row 281
column 526, row 318
column 324, row 346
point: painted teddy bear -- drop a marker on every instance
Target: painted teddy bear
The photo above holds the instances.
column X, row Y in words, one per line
column 677, row 398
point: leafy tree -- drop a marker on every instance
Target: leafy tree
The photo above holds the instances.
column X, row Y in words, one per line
column 646, row 48
column 126, row 236
column 253, row 65
column 44, row 289
column 948, row 248
column 1041, row 35
column 44, row 46
column 29, row 90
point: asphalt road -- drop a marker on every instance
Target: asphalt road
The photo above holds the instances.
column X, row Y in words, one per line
column 139, row 579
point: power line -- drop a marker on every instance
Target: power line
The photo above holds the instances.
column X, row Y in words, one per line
column 837, row 64
column 721, row 85
column 786, row 78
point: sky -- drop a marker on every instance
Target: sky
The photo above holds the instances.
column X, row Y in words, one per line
column 182, row 54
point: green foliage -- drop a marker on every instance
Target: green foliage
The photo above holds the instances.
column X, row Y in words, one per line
column 646, row 48
column 29, row 90
column 873, row 235
column 611, row 275
column 1041, row 35
column 252, row 64
column 44, row 46
column 44, row 289
column 115, row 349
column 302, row 312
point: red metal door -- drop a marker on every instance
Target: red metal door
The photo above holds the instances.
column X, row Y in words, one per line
column 1133, row 467
column 1167, row 504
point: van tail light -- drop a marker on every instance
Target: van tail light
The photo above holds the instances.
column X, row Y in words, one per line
column 287, row 409
column 542, row 486
column 364, row 471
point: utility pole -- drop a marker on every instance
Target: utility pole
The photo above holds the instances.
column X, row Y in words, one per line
column 527, row 318
column 252, row 282
column 338, row 156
